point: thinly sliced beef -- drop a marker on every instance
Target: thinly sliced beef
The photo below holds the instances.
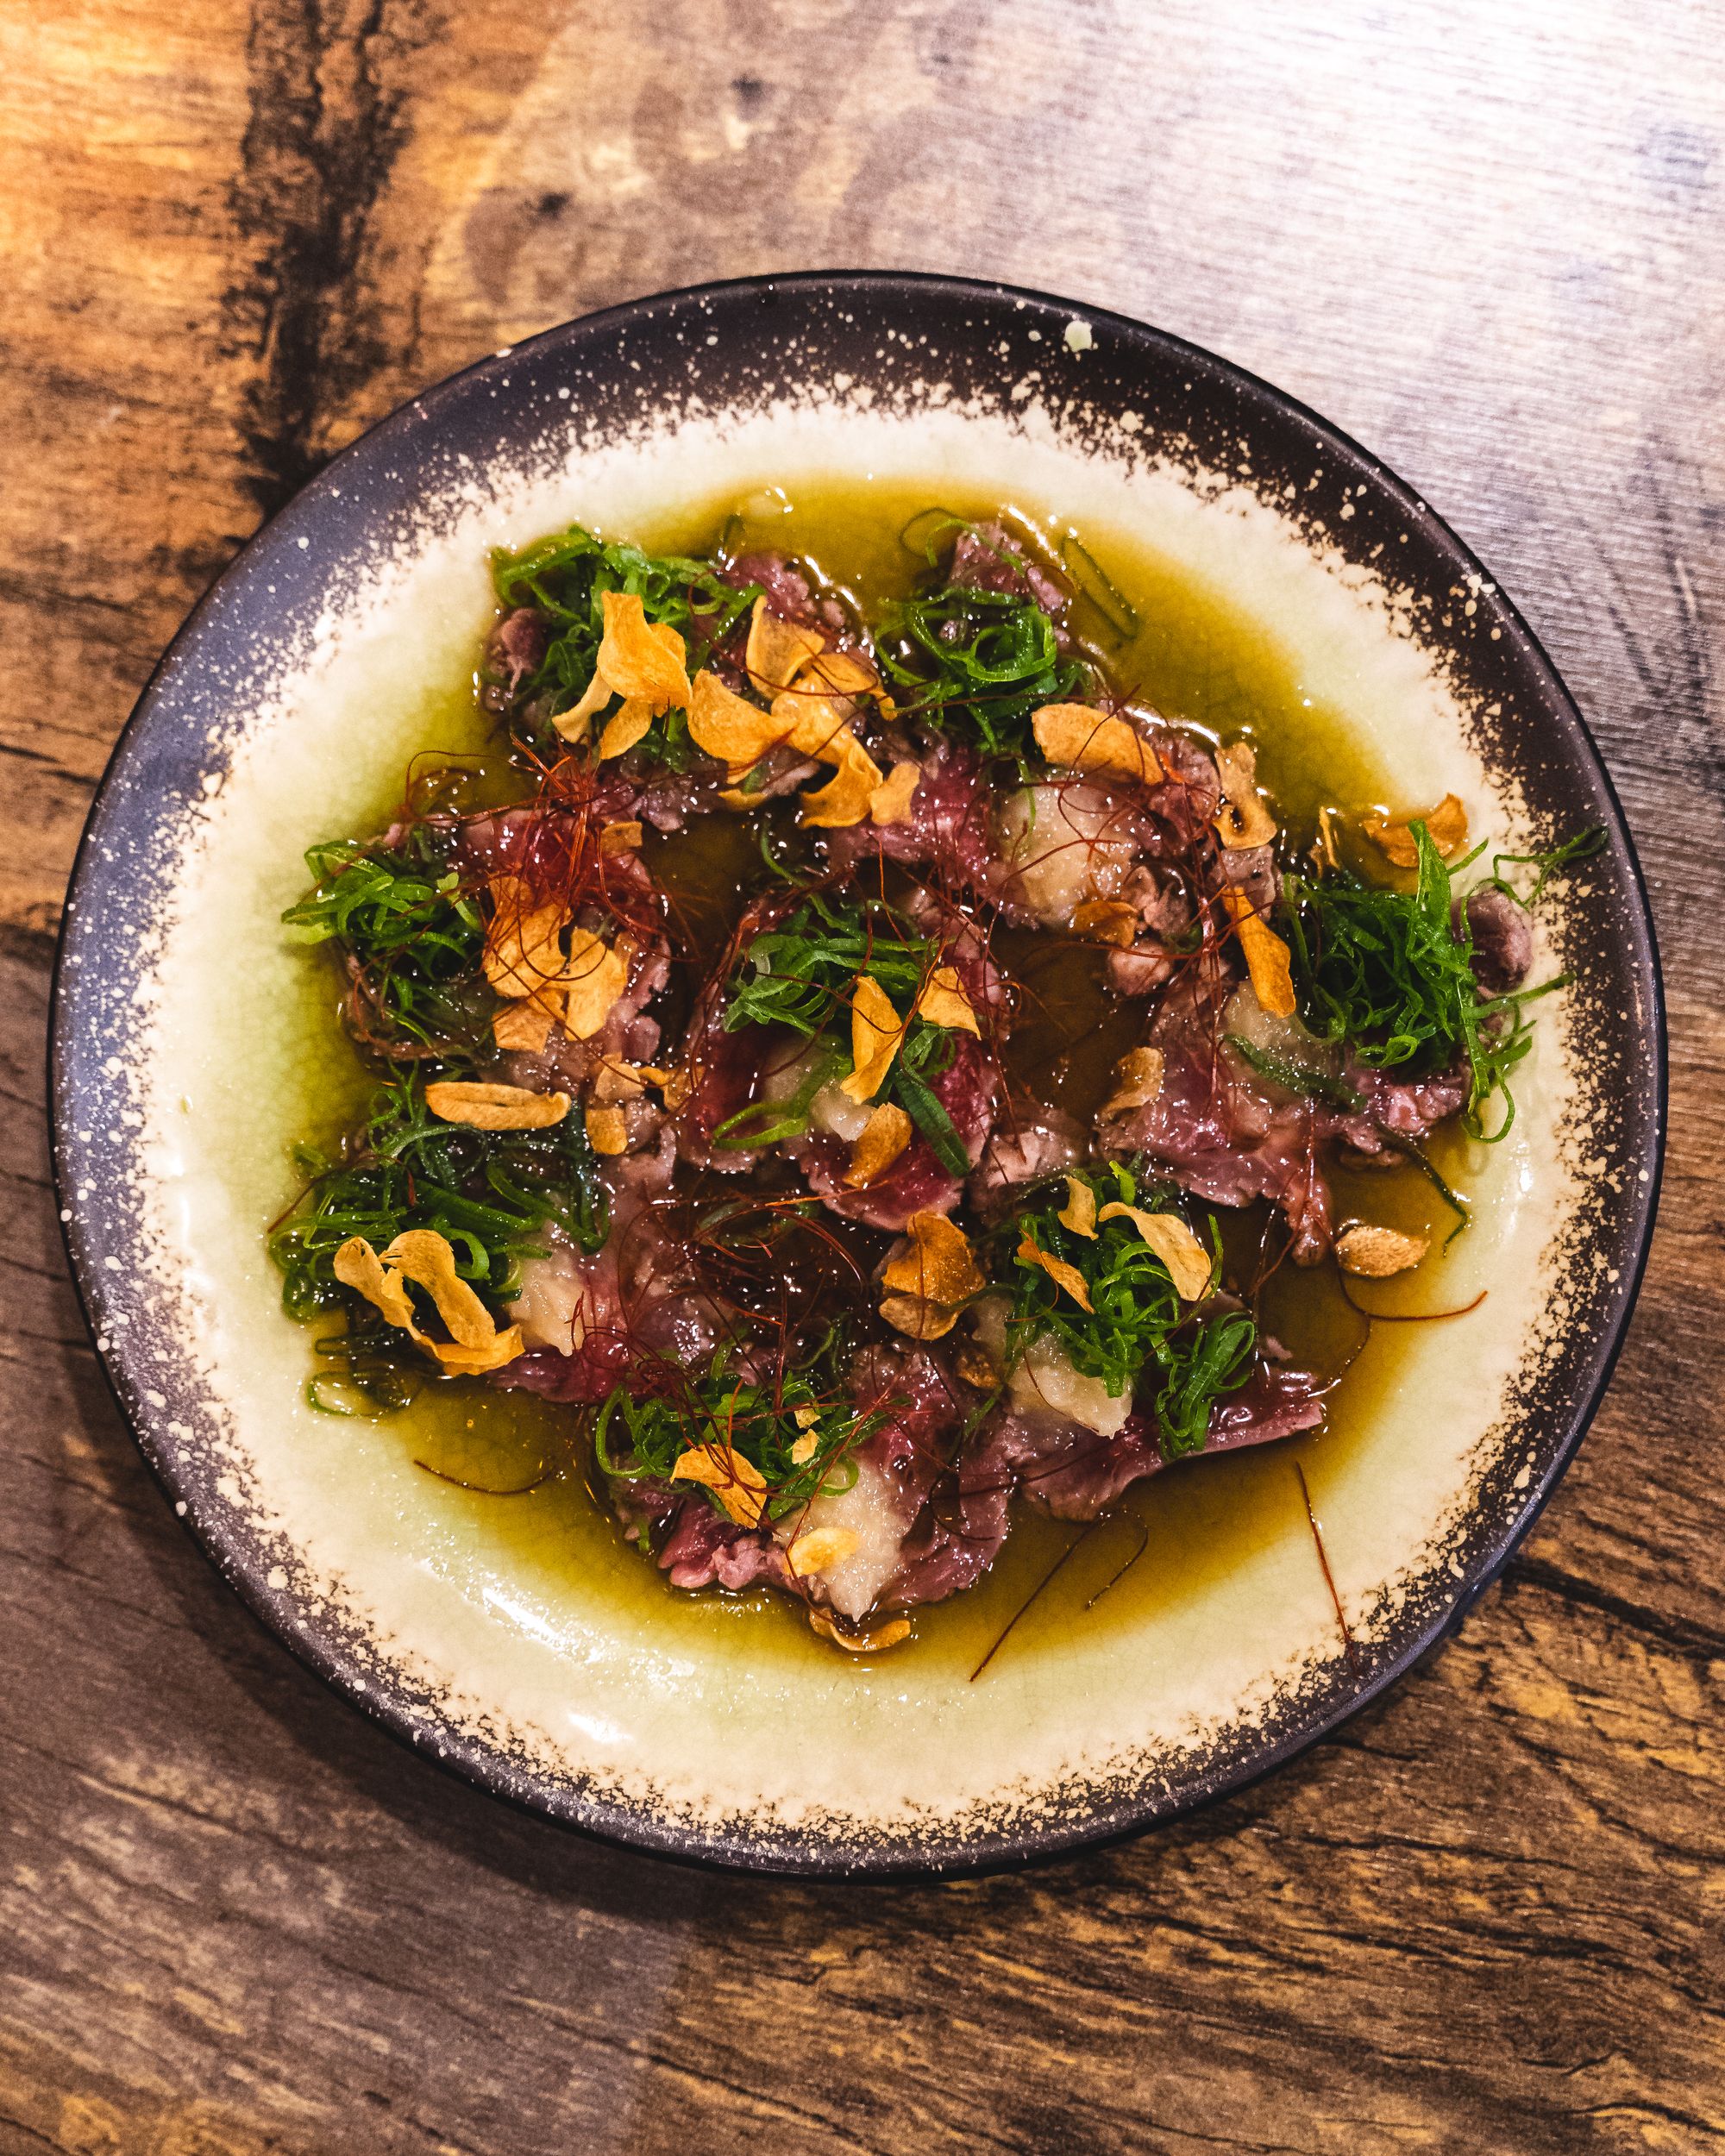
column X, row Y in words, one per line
column 946, row 828
column 517, row 647
column 1033, row 1142
column 1503, row 939
column 1220, row 1135
column 1395, row 1108
column 916, row 1182
column 987, row 559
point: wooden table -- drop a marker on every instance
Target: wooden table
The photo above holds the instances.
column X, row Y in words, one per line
column 1488, row 241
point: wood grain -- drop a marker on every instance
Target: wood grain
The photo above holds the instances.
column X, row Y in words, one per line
column 1488, row 242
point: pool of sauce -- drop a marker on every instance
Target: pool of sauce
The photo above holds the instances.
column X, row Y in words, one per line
column 1203, row 666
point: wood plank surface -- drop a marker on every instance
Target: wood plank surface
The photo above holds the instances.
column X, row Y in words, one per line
column 1488, row 241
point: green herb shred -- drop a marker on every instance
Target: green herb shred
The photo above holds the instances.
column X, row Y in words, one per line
column 1389, row 973
column 800, row 974
column 643, row 1440
column 567, row 578
column 413, row 937
column 1137, row 1335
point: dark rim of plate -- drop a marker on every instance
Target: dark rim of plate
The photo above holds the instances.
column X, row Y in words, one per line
column 734, row 338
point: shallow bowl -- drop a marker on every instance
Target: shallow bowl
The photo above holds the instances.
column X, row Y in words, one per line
column 314, row 668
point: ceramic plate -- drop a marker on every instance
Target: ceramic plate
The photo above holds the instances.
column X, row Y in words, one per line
column 531, row 1653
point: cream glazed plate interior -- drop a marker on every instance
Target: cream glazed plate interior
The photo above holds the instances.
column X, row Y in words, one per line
column 1285, row 581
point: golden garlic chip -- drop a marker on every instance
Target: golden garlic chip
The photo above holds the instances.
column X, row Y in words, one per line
column 1106, row 921
column 358, row 1266
column 1267, row 959
column 729, row 727
column 876, row 1029
column 607, row 1131
column 943, row 1002
column 882, row 1138
column 484, row 1107
column 642, row 660
column 821, row 1546
column 736, row 1483
column 1374, row 1253
column 1062, row 1274
column 595, row 976
column 937, row 1263
column 1137, row 1080
column 632, row 721
column 875, row 1642
column 619, row 838
column 1188, row 1261
column 777, row 650
column 845, row 801
column 1446, row 826
column 917, row 1317
column 523, row 947
column 1245, row 820
column 1079, row 1213
column 890, row 802
column 1090, row 740
column 524, row 1027
column 425, row 1257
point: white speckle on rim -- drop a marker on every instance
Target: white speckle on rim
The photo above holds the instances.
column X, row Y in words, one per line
column 275, row 1579
column 302, row 540
column 1078, row 336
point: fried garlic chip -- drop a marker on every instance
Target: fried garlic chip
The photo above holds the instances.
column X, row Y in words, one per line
column 890, row 802
column 1188, row 1261
column 616, row 1079
column 937, row 1263
column 1373, row 1253
column 1090, row 740
column 917, row 1317
column 607, row 1131
column 524, row 1027
column 523, row 947
column 875, row 1642
column 1062, row 1274
column 632, row 721
column 1079, row 1213
column 619, row 838
column 736, row 1483
column 594, row 977
column 729, row 726
column 845, row 801
column 484, row 1107
column 820, row 1547
column 943, row 1002
column 422, row 1255
column 358, row 1266
column 1268, row 960
column 845, row 673
column 1137, row 1080
column 1245, row 821
column 575, row 724
column 882, row 1138
column 818, row 726
column 490, row 1355
column 642, row 660
column 425, row 1257
column 777, row 650
column 876, row 1031
column 1446, row 826
column 1106, row 921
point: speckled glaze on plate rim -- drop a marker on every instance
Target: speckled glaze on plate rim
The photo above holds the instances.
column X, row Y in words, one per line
column 1201, row 393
